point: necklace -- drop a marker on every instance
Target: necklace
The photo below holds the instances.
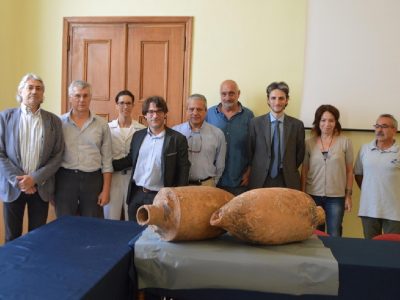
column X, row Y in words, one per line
column 325, row 152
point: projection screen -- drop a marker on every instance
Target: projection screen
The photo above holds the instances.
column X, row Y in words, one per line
column 352, row 60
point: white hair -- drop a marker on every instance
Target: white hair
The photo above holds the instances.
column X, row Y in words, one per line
column 24, row 80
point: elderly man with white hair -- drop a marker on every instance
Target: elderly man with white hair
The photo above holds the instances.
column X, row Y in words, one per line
column 31, row 149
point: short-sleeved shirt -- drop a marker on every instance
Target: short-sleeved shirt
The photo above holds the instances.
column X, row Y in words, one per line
column 380, row 190
column 327, row 175
column 236, row 131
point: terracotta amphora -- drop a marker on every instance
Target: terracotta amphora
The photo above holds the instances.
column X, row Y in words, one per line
column 183, row 213
column 270, row 216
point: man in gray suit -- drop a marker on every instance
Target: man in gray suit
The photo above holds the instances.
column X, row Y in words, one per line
column 31, row 149
column 276, row 143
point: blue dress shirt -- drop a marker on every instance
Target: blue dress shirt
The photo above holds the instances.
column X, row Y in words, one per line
column 236, row 131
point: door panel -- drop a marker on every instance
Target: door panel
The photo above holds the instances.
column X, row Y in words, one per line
column 147, row 55
column 97, row 56
column 158, row 53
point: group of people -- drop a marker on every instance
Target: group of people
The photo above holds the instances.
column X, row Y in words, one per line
column 89, row 167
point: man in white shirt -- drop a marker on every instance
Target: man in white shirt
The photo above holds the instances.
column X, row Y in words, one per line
column 207, row 145
column 31, row 149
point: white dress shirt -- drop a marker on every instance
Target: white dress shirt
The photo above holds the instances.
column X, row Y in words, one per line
column 30, row 138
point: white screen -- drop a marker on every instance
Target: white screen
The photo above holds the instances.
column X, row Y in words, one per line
column 352, row 60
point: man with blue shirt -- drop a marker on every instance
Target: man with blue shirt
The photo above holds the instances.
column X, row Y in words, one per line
column 233, row 119
column 207, row 146
column 158, row 157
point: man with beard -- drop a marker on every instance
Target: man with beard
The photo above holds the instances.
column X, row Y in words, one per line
column 233, row 119
column 377, row 173
column 158, row 157
column 276, row 143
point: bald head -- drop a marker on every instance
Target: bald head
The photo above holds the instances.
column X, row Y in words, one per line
column 230, row 83
column 229, row 92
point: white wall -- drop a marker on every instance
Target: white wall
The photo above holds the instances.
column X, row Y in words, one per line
column 352, row 60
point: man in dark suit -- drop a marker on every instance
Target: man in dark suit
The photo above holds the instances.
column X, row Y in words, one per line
column 276, row 143
column 31, row 150
column 158, row 157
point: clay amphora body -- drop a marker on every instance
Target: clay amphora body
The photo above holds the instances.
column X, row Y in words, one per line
column 270, row 216
column 183, row 213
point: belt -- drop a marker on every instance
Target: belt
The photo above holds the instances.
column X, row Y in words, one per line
column 147, row 191
column 76, row 171
column 199, row 181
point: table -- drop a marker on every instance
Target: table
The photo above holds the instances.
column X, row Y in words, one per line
column 70, row 258
column 368, row 269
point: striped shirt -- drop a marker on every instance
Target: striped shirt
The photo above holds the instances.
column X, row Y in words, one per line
column 30, row 138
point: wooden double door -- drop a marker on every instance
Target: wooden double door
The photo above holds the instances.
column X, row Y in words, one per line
column 146, row 55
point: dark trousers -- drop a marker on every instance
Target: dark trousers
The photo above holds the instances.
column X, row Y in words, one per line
column 14, row 214
column 375, row 226
column 278, row 181
column 139, row 198
column 77, row 192
column 234, row 190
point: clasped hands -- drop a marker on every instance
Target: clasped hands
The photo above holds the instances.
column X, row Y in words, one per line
column 26, row 184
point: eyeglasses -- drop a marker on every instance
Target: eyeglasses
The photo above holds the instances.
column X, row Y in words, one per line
column 152, row 112
column 122, row 103
column 195, row 142
column 383, row 126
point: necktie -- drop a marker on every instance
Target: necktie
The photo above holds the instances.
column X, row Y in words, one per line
column 276, row 150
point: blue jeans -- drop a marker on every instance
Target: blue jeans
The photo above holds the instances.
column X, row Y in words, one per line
column 334, row 211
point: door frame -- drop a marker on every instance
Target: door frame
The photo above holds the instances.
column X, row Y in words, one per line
column 68, row 21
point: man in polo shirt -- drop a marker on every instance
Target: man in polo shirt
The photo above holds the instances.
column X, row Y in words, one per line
column 206, row 142
column 158, row 157
column 377, row 173
column 233, row 119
